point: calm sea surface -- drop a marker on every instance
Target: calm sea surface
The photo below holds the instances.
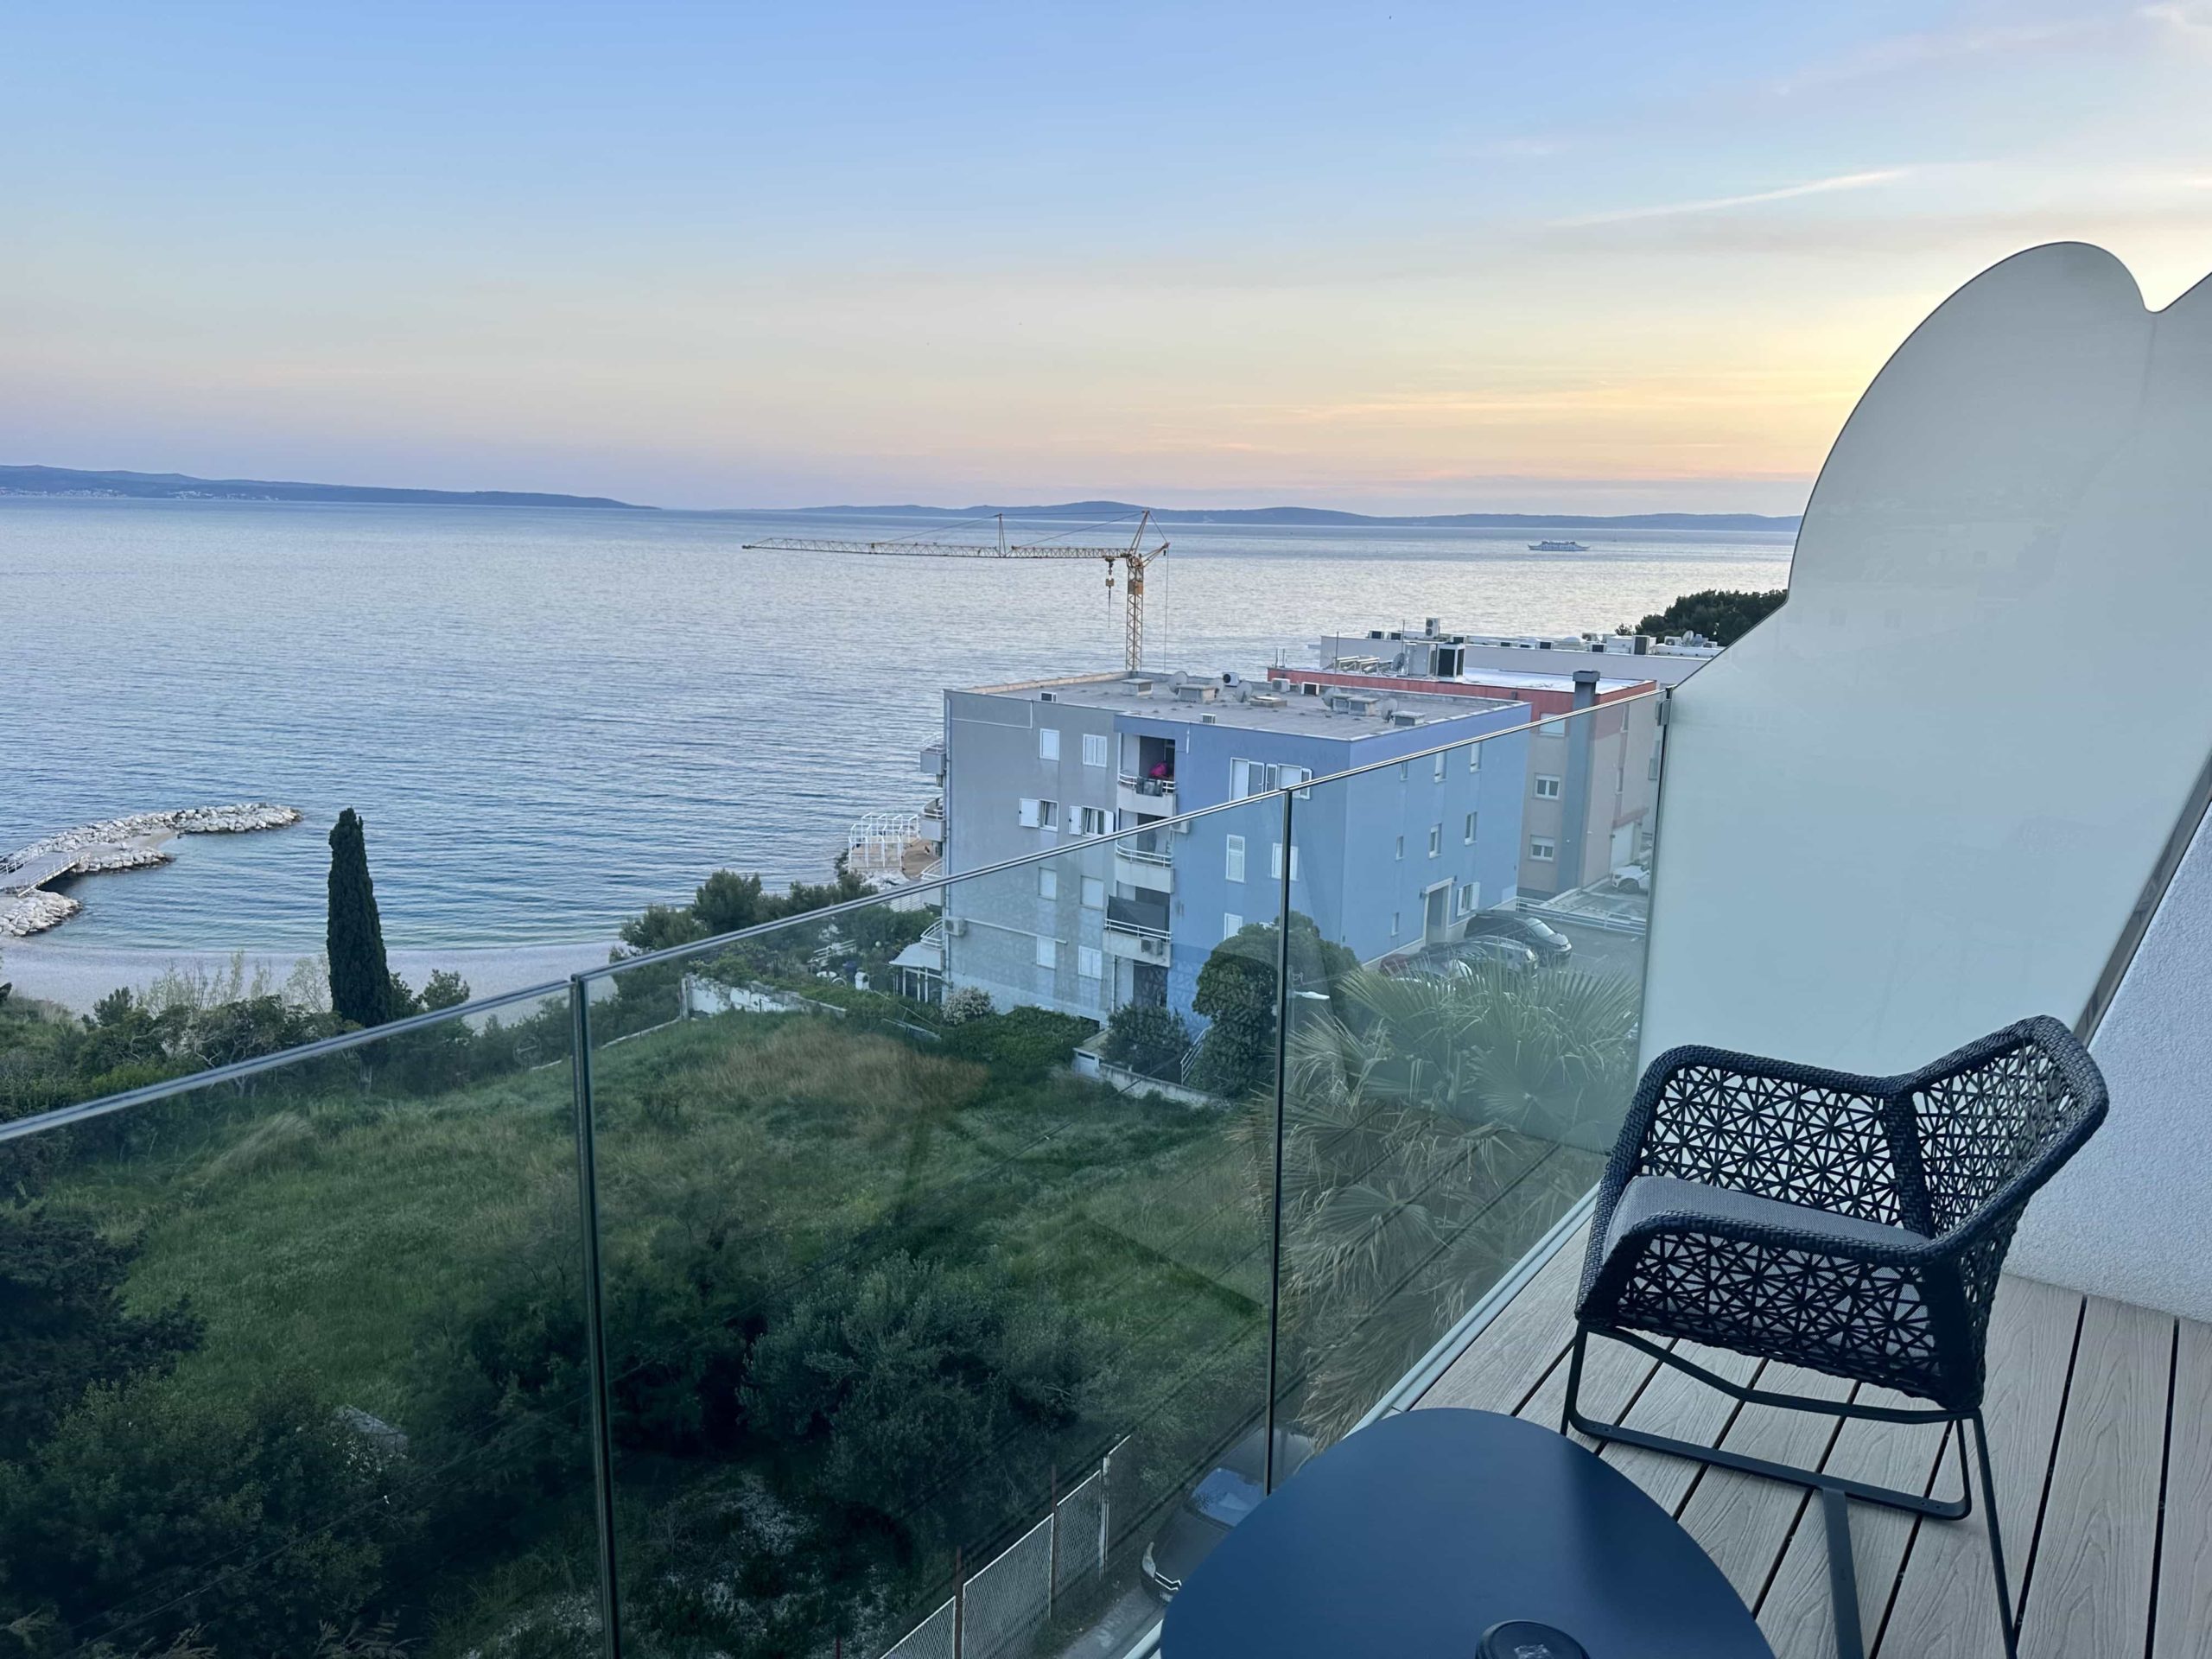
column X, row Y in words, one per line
column 550, row 718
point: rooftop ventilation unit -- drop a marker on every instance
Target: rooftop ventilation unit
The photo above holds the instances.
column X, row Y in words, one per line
column 1196, row 693
column 1402, row 719
column 1352, row 702
column 1142, row 688
column 1264, row 700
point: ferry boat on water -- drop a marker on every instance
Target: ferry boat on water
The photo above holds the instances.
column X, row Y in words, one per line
column 1557, row 547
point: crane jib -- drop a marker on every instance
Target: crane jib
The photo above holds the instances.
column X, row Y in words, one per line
column 1134, row 557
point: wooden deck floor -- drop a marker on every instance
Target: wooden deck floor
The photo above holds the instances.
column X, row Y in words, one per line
column 2100, row 1428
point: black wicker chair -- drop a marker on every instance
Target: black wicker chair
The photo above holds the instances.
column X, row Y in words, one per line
column 1855, row 1226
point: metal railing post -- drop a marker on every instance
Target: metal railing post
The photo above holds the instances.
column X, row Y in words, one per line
column 1275, row 1183
column 602, row 1448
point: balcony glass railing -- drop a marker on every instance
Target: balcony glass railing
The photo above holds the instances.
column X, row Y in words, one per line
column 722, row 1300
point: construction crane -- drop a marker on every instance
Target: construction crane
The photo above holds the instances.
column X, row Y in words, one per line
column 1134, row 559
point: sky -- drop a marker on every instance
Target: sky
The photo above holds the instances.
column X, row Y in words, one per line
column 1598, row 257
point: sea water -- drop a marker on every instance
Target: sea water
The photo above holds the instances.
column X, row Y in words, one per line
column 550, row 718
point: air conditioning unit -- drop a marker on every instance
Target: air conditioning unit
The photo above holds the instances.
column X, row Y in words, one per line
column 1047, row 697
column 1209, row 720
column 956, row 927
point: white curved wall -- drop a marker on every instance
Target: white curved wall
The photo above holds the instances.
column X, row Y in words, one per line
column 1919, row 801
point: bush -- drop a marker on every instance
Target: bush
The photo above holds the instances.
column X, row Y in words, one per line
column 1020, row 1045
column 968, row 1002
column 67, row 1330
column 143, row 1500
column 1148, row 1038
column 914, row 1384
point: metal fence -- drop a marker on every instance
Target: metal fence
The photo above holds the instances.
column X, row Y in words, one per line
column 1019, row 1589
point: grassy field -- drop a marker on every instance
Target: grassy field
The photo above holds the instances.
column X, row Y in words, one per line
column 354, row 1232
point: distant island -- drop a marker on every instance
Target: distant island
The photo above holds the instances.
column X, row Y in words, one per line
column 1322, row 515
column 181, row 487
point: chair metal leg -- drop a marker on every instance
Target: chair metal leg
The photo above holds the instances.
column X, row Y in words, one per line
column 1569, row 1412
column 1996, row 1538
column 1834, row 1492
column 1843, row 1575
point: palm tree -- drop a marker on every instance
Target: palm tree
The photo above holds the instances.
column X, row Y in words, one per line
column 1431, row 1129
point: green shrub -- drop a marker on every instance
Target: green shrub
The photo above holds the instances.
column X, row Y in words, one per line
column 1020, row 1045
column 914, row 1383
column 1148, row 1038
column 249, row 1523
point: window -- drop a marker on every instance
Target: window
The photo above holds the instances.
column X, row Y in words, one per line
column 1048, row 883
column 1546, row 788
column 1438, row 773
column 1393, row 923
column 1474, row 757
column 1094, row 893
column 1467, row 894
column 1089, row 961
column 1469, row 838
column 1231, row 924
column 1435, row 840
column 1048, row 742
column 1234, row 850
column 1402, row 853
column 1542, row 849
column 1048, row 952
column 1048, row 815
column 1274, row 863
column 1405, row 771
column 1092, row 822
column 1652, row 773
column 1257, row 776
column 1093, row 749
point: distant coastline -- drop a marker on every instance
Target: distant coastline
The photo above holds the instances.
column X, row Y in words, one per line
column 69, row 482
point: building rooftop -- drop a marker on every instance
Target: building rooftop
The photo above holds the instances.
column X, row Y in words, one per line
column 1252, row 704
column 1516, row 679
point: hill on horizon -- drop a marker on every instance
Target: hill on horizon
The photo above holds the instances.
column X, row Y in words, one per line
column 1286, row 515
column 183, row 486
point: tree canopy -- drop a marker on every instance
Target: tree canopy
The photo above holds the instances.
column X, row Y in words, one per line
column 1723, row 615
column 360, row 978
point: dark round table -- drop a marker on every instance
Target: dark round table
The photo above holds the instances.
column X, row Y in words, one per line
column 1420, row 1534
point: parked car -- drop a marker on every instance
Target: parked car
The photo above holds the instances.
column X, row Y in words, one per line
column 1548, row 941
column 1231, row 1490
column 1490, row 949
column 1633, row 878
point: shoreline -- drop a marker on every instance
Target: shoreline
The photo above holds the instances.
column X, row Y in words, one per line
column 49, row 969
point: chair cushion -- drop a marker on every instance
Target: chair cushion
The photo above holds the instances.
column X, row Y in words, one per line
column 1657, row 1195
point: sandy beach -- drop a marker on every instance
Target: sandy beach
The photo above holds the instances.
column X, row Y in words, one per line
column 52, row 970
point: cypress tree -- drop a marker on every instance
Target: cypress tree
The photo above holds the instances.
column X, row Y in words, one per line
column 361, row 980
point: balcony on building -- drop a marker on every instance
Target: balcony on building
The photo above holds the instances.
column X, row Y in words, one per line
column 1146, row 860
column 1137, row 929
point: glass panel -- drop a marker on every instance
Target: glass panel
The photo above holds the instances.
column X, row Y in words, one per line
column 938, row 1260
column 293, row 1364
column 1463, row 1039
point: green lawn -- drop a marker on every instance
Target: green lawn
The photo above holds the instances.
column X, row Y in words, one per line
column 345, row 1231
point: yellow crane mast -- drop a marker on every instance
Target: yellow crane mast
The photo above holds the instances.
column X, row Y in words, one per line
column 1134, row 559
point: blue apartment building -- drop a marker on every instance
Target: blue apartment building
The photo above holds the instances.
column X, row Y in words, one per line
column 1385, row 863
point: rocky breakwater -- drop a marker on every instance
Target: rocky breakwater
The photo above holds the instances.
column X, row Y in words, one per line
column 136, row 842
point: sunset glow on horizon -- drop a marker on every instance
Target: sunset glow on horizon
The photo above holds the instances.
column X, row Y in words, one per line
column 1603, row 259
